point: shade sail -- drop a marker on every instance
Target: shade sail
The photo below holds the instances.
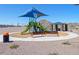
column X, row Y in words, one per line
column 34, row 13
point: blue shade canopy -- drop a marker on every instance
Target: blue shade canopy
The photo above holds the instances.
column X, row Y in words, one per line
column 34, row 13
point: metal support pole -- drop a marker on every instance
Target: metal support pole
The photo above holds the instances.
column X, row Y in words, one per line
column 66, row 27
column 56, row 26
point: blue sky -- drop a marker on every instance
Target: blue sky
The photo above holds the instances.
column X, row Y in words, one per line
column 9, row 13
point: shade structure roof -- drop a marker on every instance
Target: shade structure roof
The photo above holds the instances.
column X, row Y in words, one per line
column 34, row 13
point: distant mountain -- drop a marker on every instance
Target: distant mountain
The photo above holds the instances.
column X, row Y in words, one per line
column 2, row 26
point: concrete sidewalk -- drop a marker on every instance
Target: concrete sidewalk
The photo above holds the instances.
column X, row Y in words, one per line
column 69, row 36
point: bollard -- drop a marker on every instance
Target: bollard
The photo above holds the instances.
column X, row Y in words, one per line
column 6, row 37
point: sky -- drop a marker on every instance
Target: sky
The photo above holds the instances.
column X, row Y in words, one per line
column 9, row 13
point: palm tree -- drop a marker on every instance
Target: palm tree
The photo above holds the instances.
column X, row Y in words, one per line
column 33, row 15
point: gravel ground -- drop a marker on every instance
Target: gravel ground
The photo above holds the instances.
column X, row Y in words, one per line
column 11, row 29
column 70, row 47
column 41, row 48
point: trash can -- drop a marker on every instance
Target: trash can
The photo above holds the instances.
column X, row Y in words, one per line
column 6, row 37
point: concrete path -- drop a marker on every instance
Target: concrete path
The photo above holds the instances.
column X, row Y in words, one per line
column 69, row 36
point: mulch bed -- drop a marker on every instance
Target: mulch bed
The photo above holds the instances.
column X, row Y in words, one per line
column 47, row 34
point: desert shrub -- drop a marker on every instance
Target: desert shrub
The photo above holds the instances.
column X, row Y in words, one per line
column 53, row 53
column 23, row 33
column 13, row 46
column 66, row 43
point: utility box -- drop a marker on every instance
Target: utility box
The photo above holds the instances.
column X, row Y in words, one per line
column 6, row 37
